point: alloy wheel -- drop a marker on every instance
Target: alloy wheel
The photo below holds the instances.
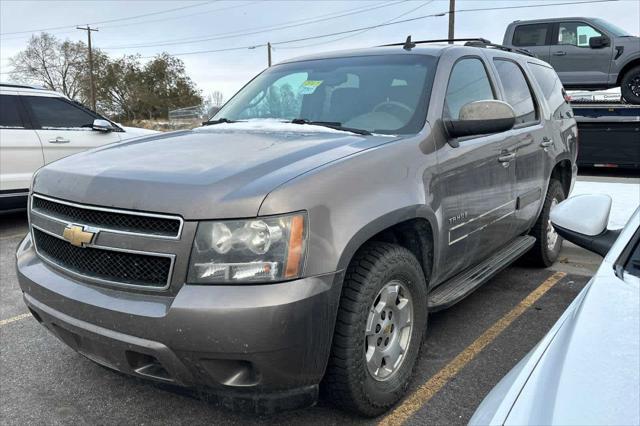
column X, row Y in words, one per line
column 388, row 330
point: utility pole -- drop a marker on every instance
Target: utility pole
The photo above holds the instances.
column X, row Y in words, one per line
column 269, row 53
column 452, row 19
column 88, row 29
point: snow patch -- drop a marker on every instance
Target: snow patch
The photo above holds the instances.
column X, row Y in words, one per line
column 270, row 125
column 625, row 198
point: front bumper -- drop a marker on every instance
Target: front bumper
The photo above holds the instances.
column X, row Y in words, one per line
column 242, row 340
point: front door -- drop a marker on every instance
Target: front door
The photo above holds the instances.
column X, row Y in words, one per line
column 65, row 128
column 574, row 61
column 475, row 180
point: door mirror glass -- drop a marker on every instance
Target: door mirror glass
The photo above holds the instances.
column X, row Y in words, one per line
column 598, row 42
column 482, row 117
column 583, row 220
column 101, row 125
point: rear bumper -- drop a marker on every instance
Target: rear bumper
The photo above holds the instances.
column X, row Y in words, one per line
column 256, row 340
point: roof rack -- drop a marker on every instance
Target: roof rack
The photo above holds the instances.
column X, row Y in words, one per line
column 472, row 42
column 22, row 86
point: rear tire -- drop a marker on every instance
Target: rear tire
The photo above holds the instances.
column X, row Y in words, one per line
column 548, row 243
column 381, row 321
column 630, row 86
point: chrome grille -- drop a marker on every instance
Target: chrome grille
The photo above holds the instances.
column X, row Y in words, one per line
column 108, row 219
column 105, row 264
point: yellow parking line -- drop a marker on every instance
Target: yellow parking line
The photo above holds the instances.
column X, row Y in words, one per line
column 14, row 319
column 424, row 393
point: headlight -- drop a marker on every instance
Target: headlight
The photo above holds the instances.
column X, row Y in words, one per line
column 255, row 250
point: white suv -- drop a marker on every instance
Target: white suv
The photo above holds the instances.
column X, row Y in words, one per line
column 38, row 126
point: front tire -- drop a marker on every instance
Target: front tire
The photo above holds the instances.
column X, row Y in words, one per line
column 381, row 321
column 630, row 86
column 548, row 243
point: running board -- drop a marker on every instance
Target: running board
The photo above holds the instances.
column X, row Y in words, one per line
column 460, row 286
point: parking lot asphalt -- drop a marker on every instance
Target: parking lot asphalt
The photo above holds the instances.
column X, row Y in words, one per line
column 468, row 348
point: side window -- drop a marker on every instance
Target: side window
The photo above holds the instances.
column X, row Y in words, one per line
column 517, row 91
column 468, row 82
column 576, row 33
column 9, row 114
column 552, row 90
column 57, row 113
column 530, row 35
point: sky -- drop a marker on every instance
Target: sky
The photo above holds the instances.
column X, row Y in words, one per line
column 178, row 27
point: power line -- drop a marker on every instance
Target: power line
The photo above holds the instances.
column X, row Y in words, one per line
column 363, row 31
column 254, row 46
column 417, row 18
column 256, row 30
column 113, row 20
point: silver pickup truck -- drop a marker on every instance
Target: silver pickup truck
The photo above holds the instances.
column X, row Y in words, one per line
column 587, row 53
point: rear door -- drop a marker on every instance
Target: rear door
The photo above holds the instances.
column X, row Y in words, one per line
column 536, row 38
column 572, row 58
column 65, row 128
column 20, row 148
column 475, row 180
column 531, row 140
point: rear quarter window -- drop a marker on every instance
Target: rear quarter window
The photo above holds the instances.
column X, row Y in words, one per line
column 552, row 90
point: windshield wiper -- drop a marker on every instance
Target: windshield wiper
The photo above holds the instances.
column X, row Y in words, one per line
column 218, row 121
column 331, row 125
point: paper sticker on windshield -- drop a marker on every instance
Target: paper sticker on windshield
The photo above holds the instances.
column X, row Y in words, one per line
column 309, row 86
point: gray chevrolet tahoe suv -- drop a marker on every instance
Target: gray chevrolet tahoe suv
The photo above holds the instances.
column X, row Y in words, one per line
column 587, row 53
column 299, row 240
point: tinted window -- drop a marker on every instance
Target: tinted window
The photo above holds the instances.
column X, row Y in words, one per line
column 468, row 83
column 530, row 35
column 517, row 91
column 383, row 94
column 551, row 89
column 9, row 114
column 57, row 113
column 576, row 34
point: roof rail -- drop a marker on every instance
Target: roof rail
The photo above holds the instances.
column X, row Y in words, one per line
column 472, row 42
column 22, row 86
column 487, row 43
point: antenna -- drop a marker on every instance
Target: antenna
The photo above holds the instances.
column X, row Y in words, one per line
column 408, row 45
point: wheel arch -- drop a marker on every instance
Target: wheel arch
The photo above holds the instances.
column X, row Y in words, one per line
column 412, row 227
column 631, row 64
column 562, row 171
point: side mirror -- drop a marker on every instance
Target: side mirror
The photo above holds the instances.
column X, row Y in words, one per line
column 598, row 42
column 583, row 221
column 101, row 125
column 482, row 117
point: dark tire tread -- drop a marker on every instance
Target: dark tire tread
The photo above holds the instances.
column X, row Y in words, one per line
column 539, row 255
column 339, row 384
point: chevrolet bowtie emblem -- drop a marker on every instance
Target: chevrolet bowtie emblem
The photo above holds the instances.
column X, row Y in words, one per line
column 77, row 235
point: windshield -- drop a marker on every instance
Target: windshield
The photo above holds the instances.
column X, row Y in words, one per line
column 616, row 31
column 380, row 94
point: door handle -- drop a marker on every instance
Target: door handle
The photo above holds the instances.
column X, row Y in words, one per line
column 546, row 142
column 559, row 53
column 506, row 158
column 59, row 139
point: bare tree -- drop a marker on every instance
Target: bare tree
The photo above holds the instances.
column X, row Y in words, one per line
column 216, row 98
column 59, row 66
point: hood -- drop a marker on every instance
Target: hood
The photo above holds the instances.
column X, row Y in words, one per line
column 221, row 171
column 589, row 373
column 134, row 132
